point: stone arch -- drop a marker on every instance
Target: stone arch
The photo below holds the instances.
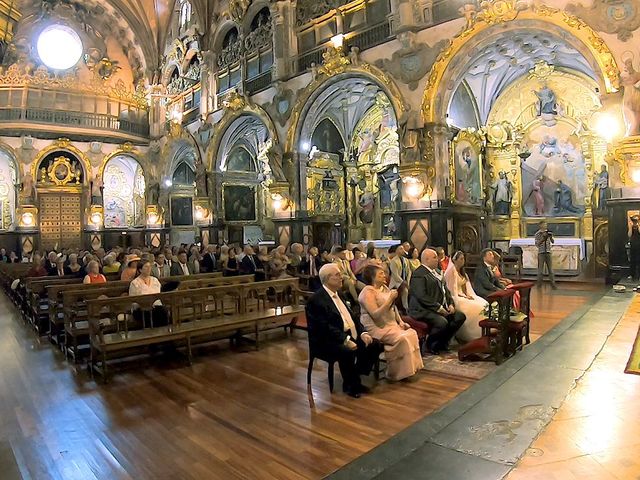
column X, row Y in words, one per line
column 252, row 11
column 64, row 145
column 124, row 194
column 500, row 18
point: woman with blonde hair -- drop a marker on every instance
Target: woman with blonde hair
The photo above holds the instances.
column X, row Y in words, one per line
column 381, row 319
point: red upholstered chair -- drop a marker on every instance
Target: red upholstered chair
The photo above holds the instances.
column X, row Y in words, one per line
column 421, row 328
column 522, row 325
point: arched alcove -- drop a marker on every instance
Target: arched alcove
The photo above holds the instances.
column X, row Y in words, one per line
column 124, row 193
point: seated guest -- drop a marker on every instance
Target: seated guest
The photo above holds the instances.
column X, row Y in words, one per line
column 443, row 260
column 3, row 256
column 349, row 281
column 109, row 264
column 93, row 273
column 400, row 273
column 295, row 255
column 335, row 334
column 13, row 258
column 430, row 301
column 251, row 264
column 381, row 319
column 229, row 262
column 194, row 259
column 131, row 268
column 414, row 258
column 485, row 281
column 496, row 270
column 465, row 299
column 51, row 263
column 121, row 259
column 182, row 266
column 37, row 269
column 74, row 266
column 146, row 284
column 209, row 261
column 311, row 265
column 61, row 269
column 161, row 268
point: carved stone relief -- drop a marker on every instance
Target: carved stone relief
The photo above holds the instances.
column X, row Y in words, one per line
column 620, row 17
column 282, row 104
column 412, row 61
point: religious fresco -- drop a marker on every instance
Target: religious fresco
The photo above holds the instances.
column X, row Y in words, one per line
column 181, row 211
column 553, row 176
column 467, row 163
column 240, row 160
column 7, row 190
column 239, row 203
column 124, row 193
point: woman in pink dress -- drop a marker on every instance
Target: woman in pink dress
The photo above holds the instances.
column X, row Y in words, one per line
column 381, row 319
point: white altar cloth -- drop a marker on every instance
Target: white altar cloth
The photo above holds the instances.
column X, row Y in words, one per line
column 558, row 241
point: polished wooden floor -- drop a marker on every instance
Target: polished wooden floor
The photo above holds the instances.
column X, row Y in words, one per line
column 234, row 414
column 594, row 434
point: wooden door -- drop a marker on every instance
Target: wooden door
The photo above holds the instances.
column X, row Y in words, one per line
column 60, row 220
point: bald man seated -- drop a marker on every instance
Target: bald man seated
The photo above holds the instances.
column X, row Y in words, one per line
column 431, row 302
column 335, row 334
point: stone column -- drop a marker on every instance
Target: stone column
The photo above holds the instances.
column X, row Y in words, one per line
column 435, row 153
column 406, row 19
column 281, row 40
column 594, row 150
column 157, row 112
column 207, row 82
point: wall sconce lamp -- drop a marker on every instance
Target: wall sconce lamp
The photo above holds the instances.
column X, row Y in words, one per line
column 414, row 187
column 201, row 213
column 608, row 127
column 279, row 202
column 27, row 220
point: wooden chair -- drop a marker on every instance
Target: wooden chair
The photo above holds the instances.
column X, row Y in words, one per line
column 421, row 328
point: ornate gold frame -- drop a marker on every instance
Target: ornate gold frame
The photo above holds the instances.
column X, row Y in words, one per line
column 63, row 144
column 476, row 140
column 223, row 208
column 68, row 178
column 497, row 13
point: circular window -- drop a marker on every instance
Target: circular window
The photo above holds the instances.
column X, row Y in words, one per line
column 59, row 47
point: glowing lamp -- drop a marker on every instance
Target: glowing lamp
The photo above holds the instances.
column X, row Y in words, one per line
column 152, row 218
column 27, row 219
column 337, row 41
column 414, row 187
column 96, row 219
column 635, row 175
column 608, row 127
column 176, row 116
column 278, row 201
column 201, row 213
column 168, row 183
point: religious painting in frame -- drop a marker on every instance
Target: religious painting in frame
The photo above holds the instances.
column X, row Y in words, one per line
column 239, row 202
column 466, row 167
column 182, row 211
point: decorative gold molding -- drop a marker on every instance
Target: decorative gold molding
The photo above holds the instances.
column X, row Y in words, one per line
column 500, row 12
column 323, row 80
column 63, row 144
column 625, row 152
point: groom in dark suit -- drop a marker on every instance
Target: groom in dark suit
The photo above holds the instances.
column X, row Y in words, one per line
column 431, row 302
column 336, row 334
column 484, row 280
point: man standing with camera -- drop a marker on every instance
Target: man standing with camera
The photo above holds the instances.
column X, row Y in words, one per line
column 544, row 241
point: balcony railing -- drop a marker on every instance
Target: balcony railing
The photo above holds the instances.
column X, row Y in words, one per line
column 258, row 83
column 77, row 119
column 307, row 59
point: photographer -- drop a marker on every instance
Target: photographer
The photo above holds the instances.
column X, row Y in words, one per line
column 544, row 241
column 634, row 248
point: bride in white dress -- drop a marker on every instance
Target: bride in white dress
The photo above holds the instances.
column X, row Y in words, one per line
column 464, row 298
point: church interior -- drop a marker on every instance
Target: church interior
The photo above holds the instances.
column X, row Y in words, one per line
column 253, row 239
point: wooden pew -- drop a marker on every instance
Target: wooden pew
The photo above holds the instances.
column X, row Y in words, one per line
column 195, row 316
column 72, row 309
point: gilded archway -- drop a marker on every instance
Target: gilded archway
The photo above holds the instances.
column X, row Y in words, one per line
column 499, row 17
column 62, row 144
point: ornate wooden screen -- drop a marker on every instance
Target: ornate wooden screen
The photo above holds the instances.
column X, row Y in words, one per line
column 60, row 220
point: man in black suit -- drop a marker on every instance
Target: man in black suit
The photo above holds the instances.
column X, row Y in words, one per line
column 251, row 264
column 431, row 302
column 209, row 261
column 484, row 280
column 182, row 267
column 335, row 333
column 311, row 265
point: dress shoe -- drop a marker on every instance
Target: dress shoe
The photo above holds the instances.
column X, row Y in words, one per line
column 364, row 389
column 353, row 393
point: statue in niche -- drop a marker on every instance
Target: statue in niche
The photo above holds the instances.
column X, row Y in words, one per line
column 153, row 193
column 601, row 187
column 202, row 189
column 547, row 105
column 631, row 98
column 563, row 199
column 367, row 203
column 27, row 191
column 275, row 154
column 97, row 189
column 503, row 194
column 410, row 128
column 538, row 185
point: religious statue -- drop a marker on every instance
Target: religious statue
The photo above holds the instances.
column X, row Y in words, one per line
column 563, row 199
column 547, row 105
column 27, row 191
column 602, row 185
column 153, row 193
column 367, row 203
column 503, row 194
column 631, row 98
column 274, row 154
column 409, row 127
column 390, row 227
column 201, row 179
column 97, row 188
column 538, row 196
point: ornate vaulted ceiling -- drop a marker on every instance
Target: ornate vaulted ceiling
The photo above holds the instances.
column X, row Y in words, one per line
column 141, row 26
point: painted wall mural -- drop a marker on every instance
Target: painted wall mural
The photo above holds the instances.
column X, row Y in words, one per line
column 7, row 190
column 553, row 177
column 239, row 203
column 467, row 164
column 124, row 189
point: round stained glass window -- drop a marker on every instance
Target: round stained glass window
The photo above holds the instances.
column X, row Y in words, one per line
column 59, row 47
